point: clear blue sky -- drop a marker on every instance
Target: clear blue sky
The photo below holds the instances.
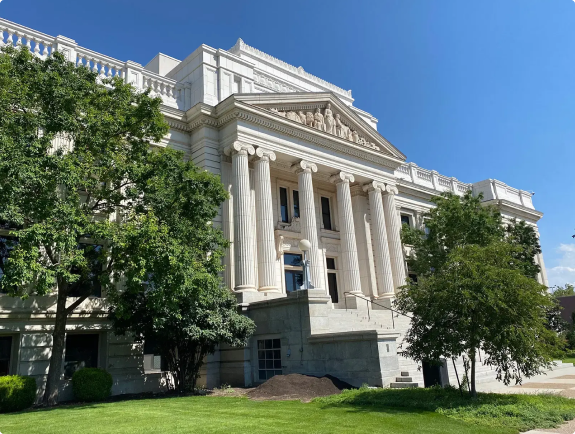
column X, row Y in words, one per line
column 472, row 89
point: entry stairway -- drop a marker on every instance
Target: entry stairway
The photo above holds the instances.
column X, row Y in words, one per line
column 371, row 317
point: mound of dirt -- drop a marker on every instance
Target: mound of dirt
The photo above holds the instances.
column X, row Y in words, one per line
column 297, row 386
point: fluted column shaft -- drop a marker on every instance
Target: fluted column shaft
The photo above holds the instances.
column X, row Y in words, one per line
column 243, row 243
column 264, row 220
column 393, row 225
column 350, row 262
column 380, row 243
column 308, row 220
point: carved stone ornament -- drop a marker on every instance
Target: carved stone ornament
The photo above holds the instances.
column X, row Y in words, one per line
column 326, row 122
column 285, row 244
column 293, row 226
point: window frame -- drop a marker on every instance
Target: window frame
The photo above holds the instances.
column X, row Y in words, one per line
column 100, row 355
column 335, row 273
column 290, row 187
column 275, row 347
column 290, row 269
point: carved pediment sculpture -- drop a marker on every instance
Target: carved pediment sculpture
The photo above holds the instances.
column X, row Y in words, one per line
column 327, row 122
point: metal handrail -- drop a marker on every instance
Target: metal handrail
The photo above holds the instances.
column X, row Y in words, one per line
column 377, row 304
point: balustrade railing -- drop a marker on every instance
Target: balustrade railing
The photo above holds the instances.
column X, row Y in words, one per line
column 431, row 179
column 43, row 45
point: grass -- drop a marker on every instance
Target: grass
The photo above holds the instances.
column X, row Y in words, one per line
column 200, row 415
column 427, row 411
column 513, row 412
column 569, row 358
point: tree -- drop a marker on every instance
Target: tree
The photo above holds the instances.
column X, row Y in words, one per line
column 71, row 146
column 453, row 264
column 562, row 291
column 480, row 300
column 454, row 222
column 172, row 294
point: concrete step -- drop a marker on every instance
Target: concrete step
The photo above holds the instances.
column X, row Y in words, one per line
column 402, row 385
column 404, row 374
column 404, row 379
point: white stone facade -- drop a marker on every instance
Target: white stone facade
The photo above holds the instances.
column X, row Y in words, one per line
column 299, row 161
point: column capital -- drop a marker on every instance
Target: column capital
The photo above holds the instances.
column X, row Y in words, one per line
column 342, row 177
column 265, row 154
column 239, row 148
column 391, row 189
column 304, row 166
column 374, row 185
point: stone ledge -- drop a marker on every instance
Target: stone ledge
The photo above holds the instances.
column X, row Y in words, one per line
column 352, row 336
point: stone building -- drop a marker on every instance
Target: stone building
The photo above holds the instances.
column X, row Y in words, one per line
column 300, row 161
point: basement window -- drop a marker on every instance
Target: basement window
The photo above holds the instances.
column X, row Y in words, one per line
column 269, row 358
column 81, row 352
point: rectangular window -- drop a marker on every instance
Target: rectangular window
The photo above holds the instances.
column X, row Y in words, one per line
column 293, row 271
column 5, row 354
column 90, row 279
column 405, row 220
column 81, row 352
column 152, row 358
column 425, row 229
column 330, row 263
column 292, row 259
column 284, row 205
column 332, row 279
column 325, row 213
column 269, row 358
column 295, row 195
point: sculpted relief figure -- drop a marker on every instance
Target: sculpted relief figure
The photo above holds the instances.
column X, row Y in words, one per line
column 309, row 119
column 325, row 122
column 318, row 120
column 329, row 120
column 292, row 116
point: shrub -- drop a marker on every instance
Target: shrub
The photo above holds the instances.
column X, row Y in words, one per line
column 91, row 384
column 17, row 392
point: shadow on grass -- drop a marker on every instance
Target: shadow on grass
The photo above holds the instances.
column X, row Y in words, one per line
column 521, row 412
column 77, row 405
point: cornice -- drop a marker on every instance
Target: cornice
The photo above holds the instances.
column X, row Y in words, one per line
column 516, row 209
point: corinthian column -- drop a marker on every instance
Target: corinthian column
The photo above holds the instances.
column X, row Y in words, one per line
column 308, row 220
column 393, row 227
column 382, row 258
column 264, row 220
column 350, row 263
column 244, row 258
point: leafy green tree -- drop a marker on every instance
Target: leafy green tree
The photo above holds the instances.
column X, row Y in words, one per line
column 461, row 234
column 172, row 293
column 562, row 291
column 480, row 300
column 70, row 148
column 454, row 222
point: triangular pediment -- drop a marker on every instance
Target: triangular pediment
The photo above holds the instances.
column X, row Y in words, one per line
column 324, row 113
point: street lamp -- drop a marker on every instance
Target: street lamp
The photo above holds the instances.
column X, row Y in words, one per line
column 304, row 246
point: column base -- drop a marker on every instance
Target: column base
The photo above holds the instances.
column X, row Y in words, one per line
column 245, row 288
column 268, row 289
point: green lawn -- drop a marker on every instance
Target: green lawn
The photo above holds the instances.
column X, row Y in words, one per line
column 229, row 415
column 360, row 411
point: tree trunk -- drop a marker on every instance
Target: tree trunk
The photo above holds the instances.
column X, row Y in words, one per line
column 58, row 345
column 473, row 390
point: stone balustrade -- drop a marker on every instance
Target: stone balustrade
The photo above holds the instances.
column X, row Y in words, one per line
column 43, row 45
column 431, row 179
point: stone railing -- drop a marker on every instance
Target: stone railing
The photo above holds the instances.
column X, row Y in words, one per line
column 430, row 178
column 43, row 45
